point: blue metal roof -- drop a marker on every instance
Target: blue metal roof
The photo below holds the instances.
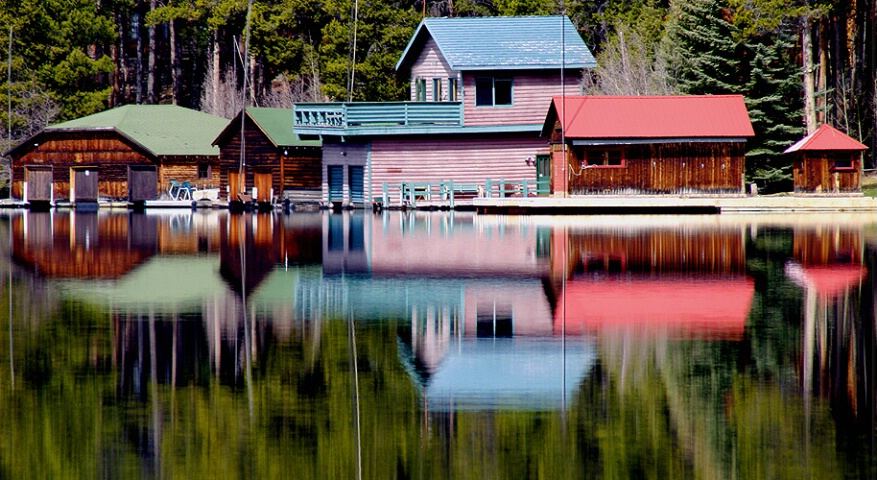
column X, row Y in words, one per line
column 502, row 43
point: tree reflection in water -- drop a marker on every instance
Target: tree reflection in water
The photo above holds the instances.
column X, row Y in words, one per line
column 203, row 344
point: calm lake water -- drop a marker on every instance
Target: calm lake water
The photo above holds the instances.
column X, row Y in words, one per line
column 437, row 345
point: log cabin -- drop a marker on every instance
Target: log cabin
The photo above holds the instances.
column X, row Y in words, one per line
column 278, row 163
column 125, row 153
column 827, row 162
column 479, row 90
column 647, row 144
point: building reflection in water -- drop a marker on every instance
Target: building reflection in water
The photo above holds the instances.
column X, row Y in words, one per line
column 489, row 313
column 828, row 265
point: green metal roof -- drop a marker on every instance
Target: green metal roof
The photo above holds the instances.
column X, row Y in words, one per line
column 502, row 43
column 160, row 129
column 276, row 123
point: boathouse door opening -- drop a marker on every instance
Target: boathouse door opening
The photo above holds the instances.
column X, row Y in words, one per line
column 38, row 184
column 142, row 183
column 83, row 186
column 356, row 182
column 335, row 174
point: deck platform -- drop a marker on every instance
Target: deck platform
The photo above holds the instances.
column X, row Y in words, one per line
column 607, row 204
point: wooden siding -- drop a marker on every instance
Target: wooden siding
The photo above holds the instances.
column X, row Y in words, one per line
column 461, row 159
column 108, row 153
column 431, row 64
column 711, row 168
column 531, row 97
column 299, row 170
column 814, row 172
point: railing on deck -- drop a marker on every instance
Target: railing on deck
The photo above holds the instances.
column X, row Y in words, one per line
column 376, row 114
column 447, row 192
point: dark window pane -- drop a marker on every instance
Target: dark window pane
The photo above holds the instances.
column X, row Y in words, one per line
column 502, row 94
column 483, row 92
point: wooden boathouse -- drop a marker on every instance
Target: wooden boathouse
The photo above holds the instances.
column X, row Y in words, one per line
column 647, row 144
column 827, row 162
column 278, row 164
column 479, row 94
column 126, row 153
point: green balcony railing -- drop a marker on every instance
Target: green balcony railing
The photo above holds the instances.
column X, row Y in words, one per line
column 376, row 114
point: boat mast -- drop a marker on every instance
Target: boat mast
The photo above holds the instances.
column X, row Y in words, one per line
column 244, row 60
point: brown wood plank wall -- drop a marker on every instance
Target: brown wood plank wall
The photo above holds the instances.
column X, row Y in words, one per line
column 108, row 154
column 814, row 172
column 714, row 168
column 300, row 170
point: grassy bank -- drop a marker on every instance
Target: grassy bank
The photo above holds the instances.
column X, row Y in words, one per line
column 869, row 185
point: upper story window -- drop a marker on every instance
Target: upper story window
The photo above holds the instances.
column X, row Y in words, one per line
column 436, row 89
column 420, row 89
column 493, row 92
column 452, row 89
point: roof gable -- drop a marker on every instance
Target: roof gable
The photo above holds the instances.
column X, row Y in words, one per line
column 159, row 129
column 651, row 117
column 275, row 123
column 502, row 43
column 824, row 138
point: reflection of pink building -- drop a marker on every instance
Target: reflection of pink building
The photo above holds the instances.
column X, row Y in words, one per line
column 658, row 281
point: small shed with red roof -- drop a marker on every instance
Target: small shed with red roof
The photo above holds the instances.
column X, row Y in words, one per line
column 827, row 161
column 648, row 144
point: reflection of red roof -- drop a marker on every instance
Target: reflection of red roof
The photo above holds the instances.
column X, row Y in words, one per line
column 828, row 280
column 685, row 308
column 827, row 137
column 654, row 116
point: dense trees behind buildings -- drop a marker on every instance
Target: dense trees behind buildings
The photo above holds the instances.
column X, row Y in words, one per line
column 75, row 57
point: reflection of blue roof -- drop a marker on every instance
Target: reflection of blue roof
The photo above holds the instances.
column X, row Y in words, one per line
column 534, row 374
column 502, row 43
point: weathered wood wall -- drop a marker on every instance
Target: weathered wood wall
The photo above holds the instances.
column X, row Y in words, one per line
column 815, row 172
column 711, row 168
column 531, row 97
column 108, row 154
column 299, row 170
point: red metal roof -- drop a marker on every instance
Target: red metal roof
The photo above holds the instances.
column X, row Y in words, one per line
column 827, row 137
column 682, row 308
column 713, row 116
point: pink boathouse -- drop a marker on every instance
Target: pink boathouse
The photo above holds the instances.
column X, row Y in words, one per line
column 480, row 91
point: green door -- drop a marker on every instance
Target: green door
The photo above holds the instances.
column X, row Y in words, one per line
column 543, row 175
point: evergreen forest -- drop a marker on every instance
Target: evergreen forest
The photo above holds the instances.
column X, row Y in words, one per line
column 799, row 63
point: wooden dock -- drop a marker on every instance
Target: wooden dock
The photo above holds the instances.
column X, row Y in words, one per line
column 608, row 204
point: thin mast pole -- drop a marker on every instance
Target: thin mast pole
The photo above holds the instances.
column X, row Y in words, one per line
column 9, row 106
column 244, row 60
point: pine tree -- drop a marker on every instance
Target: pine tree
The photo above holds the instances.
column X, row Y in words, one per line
column 773, row 101
column 700, row 49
